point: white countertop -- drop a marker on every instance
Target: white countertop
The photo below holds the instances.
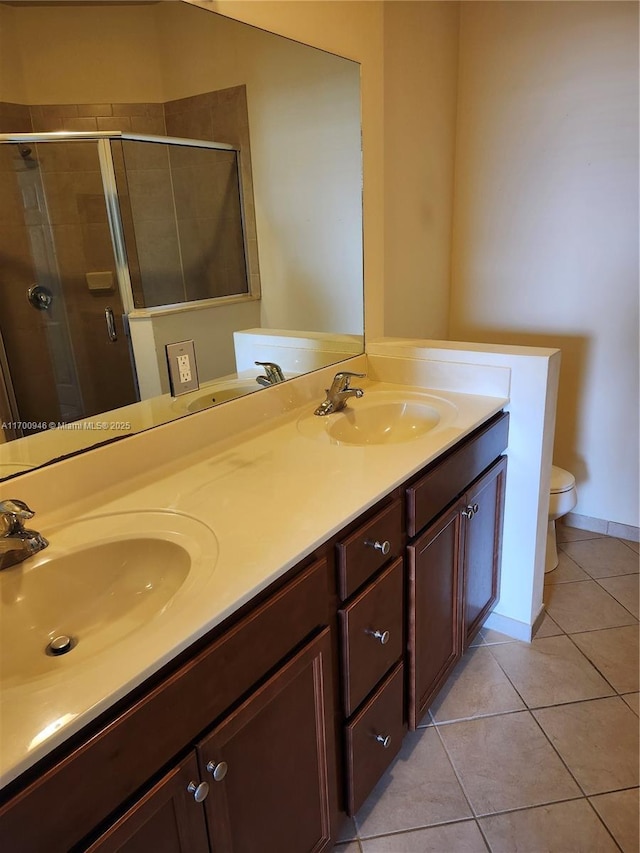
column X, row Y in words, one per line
column 270, row 499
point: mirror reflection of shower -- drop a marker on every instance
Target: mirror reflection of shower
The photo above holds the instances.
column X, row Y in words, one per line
column 25, row 152
column 87, row 236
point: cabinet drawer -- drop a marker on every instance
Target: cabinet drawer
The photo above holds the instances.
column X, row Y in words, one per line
column 121, row 757
column 380, row 722
column 368, row 549
column 372, row 635
column 449, row 478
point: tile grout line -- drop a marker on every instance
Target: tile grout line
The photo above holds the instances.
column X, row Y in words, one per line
column 462, row 787
column 595, row 811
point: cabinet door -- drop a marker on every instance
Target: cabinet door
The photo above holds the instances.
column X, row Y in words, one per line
column 483, row 515
column 434, row 599
column 271, row 761
column 168, row 819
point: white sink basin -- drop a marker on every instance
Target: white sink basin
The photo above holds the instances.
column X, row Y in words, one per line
column 100, row 580
column 214, row 394
column 380, row 417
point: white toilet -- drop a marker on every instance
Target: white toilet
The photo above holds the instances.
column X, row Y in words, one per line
column 562, row 499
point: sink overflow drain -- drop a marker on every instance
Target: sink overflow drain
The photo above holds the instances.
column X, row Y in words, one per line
column 60, row 645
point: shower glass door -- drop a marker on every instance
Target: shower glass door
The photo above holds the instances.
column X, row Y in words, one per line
column 61, row 315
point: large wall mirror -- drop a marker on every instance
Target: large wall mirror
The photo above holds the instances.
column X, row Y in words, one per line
column 167, row 175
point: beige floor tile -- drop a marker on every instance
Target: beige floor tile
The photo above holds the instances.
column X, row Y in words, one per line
column 489, row 637
column 614, row 651
column 464, row 837
column 603, row 558
column 550, row 671
column 476, row 687
column 566, row 571
column 548, row 628
column 620, row 813
column 626, row 590
column 506, row 762
column 598, row 741
column 348, row 831
column 349, row 847
column 419, row 789
column 635, row 546
column 564, row 533
column 584, row 606
column 559, row 828
column 633, row 701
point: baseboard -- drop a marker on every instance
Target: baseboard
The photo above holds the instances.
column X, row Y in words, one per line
column 510, row 627
column 602, row 526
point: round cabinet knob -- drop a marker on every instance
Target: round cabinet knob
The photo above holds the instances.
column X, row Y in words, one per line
column 199, row 791
column 383, row 636
column 383, row 547
column 475, row 508
column 218, row 771
column 469, row 511
column 385, row 740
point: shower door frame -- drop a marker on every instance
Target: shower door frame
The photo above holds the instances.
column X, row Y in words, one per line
column 107, row 171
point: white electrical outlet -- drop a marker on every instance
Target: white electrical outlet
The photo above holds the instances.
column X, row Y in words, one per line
column 183, row 374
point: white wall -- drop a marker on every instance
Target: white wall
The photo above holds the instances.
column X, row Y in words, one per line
column 545, row 239
column 304, row 121
column 420, row 84
column 110, row 54
column 354, row 29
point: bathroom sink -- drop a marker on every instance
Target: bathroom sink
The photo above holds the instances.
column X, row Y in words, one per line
column 380, row 417
column 208, row 397
column 101, row 580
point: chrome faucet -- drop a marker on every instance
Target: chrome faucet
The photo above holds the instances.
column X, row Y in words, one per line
column 273, row 373
column 339, row 393
column 16, row 542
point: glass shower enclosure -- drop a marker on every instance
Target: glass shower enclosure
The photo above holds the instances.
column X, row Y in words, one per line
column 93, row 227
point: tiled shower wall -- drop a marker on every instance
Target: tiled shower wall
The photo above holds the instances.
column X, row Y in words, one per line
column 208, row 260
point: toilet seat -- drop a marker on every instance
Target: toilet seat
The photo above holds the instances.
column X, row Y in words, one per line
column 561, row 480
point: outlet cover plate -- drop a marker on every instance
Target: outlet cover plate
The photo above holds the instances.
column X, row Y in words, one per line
column 183, row 372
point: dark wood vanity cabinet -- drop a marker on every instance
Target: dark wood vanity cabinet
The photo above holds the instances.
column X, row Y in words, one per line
column 482, row 530
column 287, row 715
column 453, row 565
column 234, row 793
column 167, row 818
column 371, row 619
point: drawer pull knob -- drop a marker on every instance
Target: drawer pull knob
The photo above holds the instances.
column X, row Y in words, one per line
column 383, row 547
column 383, row 636
column 199, row 791
column 218, row 771
column 385, row 740
column 470, row 510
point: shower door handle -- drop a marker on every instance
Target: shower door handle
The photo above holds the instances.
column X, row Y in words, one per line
column 111, row 324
